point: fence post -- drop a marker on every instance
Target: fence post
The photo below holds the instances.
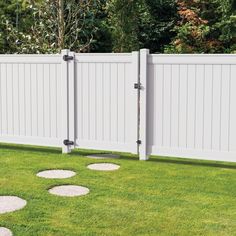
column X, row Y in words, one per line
column 65, row 101
column 143, row 154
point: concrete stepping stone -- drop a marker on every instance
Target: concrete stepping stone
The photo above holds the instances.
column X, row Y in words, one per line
column 69, row 190
column 11, row 203
column 103, row 156
column 56, row 174
column 103, row 166
column 5, row 232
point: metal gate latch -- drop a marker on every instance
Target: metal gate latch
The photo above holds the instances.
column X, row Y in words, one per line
column 67, row 58
column 137, row 86
column 67, row 142
column 139, row 142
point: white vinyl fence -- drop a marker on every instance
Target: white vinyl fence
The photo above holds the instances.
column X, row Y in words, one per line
column 150, row 104
column 191, row 106
column 31, row 99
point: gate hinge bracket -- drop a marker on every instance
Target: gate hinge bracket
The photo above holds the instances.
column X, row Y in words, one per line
column 67, row 142
column 67, row 58
column 137, row 86
column 139, row 142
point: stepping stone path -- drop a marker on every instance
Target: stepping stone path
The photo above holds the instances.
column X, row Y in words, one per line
column 103, row 166
column 5, row 232
column 103, row 156
column 69, row 190
column 11, row 203
column 56, row 174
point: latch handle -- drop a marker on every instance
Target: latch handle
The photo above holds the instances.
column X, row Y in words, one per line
column 67, row 58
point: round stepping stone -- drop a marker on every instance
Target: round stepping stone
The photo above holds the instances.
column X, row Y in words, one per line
column 11, row 203
column 103, row 156
column 56, row 174
column 69, row 190
column 5, row 232
column 103, row 166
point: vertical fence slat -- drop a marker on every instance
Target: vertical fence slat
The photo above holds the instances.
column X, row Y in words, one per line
column 191, row 106
column 175, row 105
column 107, row 102
column 216, row 107
column 199, row 107
column 232, row 135
column 225, row 113
column 183, row 107
column 134, row 103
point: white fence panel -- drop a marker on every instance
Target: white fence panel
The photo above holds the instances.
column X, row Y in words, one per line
column 30, row 99
column 192, row 106
column 106, row 101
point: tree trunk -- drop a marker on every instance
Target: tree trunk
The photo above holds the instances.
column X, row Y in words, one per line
column 61, row 25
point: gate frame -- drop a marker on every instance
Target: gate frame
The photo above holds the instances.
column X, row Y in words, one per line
column 68, row 98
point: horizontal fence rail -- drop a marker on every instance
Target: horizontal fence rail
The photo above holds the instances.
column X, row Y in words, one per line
column 148, row 104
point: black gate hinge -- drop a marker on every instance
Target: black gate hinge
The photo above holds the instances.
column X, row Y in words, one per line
column 67, row 142
column 139, row 142
column 137, row 86
column 67, row 58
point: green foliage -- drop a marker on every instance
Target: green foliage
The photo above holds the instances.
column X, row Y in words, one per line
column 163, row 196
column 156, row 21
column 204, row 27
column 102, row 38
column 171, row 26
column 14, row 17
column 141, row 23
column 123, row 18
column 47, row 34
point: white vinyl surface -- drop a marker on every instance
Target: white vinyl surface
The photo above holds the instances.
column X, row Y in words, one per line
column 186, row 106
column 192, row 106
column 30, row 99
column 106, row 101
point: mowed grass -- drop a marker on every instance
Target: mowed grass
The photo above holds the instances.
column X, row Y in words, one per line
column 163, row 196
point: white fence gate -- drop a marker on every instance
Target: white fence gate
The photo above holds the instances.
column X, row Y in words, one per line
column 106, row 101
column 171, row 105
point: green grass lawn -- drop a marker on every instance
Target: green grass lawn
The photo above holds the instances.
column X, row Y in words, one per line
column 163, row 196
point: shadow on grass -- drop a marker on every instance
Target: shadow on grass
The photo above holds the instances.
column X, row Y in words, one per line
column 181, row 161
column 49, row 150
column 167, row 160
column 30, row 148
column 123, row 156
column 192, row 162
